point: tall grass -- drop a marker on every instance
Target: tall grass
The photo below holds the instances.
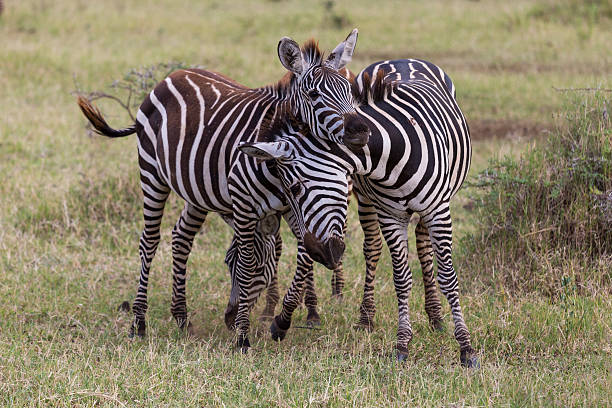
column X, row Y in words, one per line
column 546, row 218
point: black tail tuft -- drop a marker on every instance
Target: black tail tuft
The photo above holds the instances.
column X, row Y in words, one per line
column 93, row 114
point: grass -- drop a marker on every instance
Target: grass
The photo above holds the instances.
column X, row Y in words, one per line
column 70, row 215
column 545, row 219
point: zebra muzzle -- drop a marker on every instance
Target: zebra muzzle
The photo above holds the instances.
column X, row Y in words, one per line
column 356, row 132
column 328, row 253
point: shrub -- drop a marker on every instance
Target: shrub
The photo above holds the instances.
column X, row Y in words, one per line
column 545, row 220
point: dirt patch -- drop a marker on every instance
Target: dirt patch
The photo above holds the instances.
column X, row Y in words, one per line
column 506, row 129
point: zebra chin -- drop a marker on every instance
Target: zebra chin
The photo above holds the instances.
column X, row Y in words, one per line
column 328, row 253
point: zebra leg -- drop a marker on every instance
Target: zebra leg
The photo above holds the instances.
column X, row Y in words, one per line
column 395, row 234
column 272, row 295
column 155, row 193
column 433, row 307
column 440, row 229
column 372, row 248
column 292, row 299
column 310, row 300
column 337, row 282
column 185, row 230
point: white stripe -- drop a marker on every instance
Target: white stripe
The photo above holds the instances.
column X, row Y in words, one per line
column 196, row 144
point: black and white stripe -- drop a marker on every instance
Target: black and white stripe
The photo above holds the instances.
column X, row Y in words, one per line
column 189, row 128
column 417, row 158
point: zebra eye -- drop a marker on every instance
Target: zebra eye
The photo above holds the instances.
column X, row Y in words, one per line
column 313, row 94
column 296, row 189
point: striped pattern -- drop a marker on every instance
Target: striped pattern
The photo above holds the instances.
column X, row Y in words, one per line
column 189, row 128
column 417, row 158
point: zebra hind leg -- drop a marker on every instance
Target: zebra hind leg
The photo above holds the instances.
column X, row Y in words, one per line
column 440, row 232
column 433, row 307
column 185, row 230
column 155, row 194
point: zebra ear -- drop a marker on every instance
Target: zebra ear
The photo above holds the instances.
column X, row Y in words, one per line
column 264, row 151
column 290, row 55
column 343, row 53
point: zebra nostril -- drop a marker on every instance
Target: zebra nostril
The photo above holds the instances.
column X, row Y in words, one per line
column 356, row 132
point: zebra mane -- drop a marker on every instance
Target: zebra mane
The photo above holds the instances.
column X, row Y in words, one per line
column 276, row 123
column 373, row 90
column 312, row 54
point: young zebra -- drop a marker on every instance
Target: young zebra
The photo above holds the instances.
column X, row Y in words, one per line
column 416, row 159
column 188, row 129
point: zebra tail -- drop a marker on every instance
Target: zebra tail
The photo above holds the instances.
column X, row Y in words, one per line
column 94, row 116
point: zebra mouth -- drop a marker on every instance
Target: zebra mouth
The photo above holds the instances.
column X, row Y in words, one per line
column 357, row 142
column 328, row 253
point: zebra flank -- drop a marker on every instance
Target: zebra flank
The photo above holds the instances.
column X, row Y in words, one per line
column 189, row 128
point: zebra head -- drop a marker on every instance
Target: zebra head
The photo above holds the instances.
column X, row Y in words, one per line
column 321, row 95
column 316, row 189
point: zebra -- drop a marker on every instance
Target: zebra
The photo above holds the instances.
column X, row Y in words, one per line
column 417, row 157
column 188, row 128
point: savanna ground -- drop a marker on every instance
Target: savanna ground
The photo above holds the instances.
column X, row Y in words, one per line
column 70, row 214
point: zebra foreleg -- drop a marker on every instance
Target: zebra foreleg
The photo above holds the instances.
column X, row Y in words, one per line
column 292, row 299
column 372, row 248
column 433, row 307
column 310, row 300
column 440, row 229
column 396, row 237
column 184, row 232
column 272, row 295
column 337, row 281
column 155, row 195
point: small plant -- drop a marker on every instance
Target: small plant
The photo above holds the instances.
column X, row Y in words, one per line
column 545, row 219
column 135, row 85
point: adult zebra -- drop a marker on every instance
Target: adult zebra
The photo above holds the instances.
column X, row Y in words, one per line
column 188, row 129
column 417, row 157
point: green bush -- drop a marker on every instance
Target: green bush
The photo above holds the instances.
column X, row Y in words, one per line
column 545, row 221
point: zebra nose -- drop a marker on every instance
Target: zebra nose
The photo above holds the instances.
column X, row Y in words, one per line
column 356, row 132
column 327, row 253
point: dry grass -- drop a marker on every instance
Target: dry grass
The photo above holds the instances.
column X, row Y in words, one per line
column 70, row 216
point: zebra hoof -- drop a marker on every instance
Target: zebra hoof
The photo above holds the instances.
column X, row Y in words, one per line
column 337, row 297
column 437, row 325
column 230, row 316
column 277, row 333
column 138, row 329
column 365, row 325
column 469, row 360
column 402, row 355
column 243, row 344
column 313, row 319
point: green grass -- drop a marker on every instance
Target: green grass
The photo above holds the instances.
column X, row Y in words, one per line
column 70, row 215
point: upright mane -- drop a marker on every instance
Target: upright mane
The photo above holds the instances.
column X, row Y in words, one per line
column 373, row 90
column 312, row 55
column 274, row 123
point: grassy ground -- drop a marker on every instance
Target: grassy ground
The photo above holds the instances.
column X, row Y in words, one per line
column 70, row 214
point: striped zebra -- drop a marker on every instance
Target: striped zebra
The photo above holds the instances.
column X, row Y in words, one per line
column 417, row 157
column 188, row 129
